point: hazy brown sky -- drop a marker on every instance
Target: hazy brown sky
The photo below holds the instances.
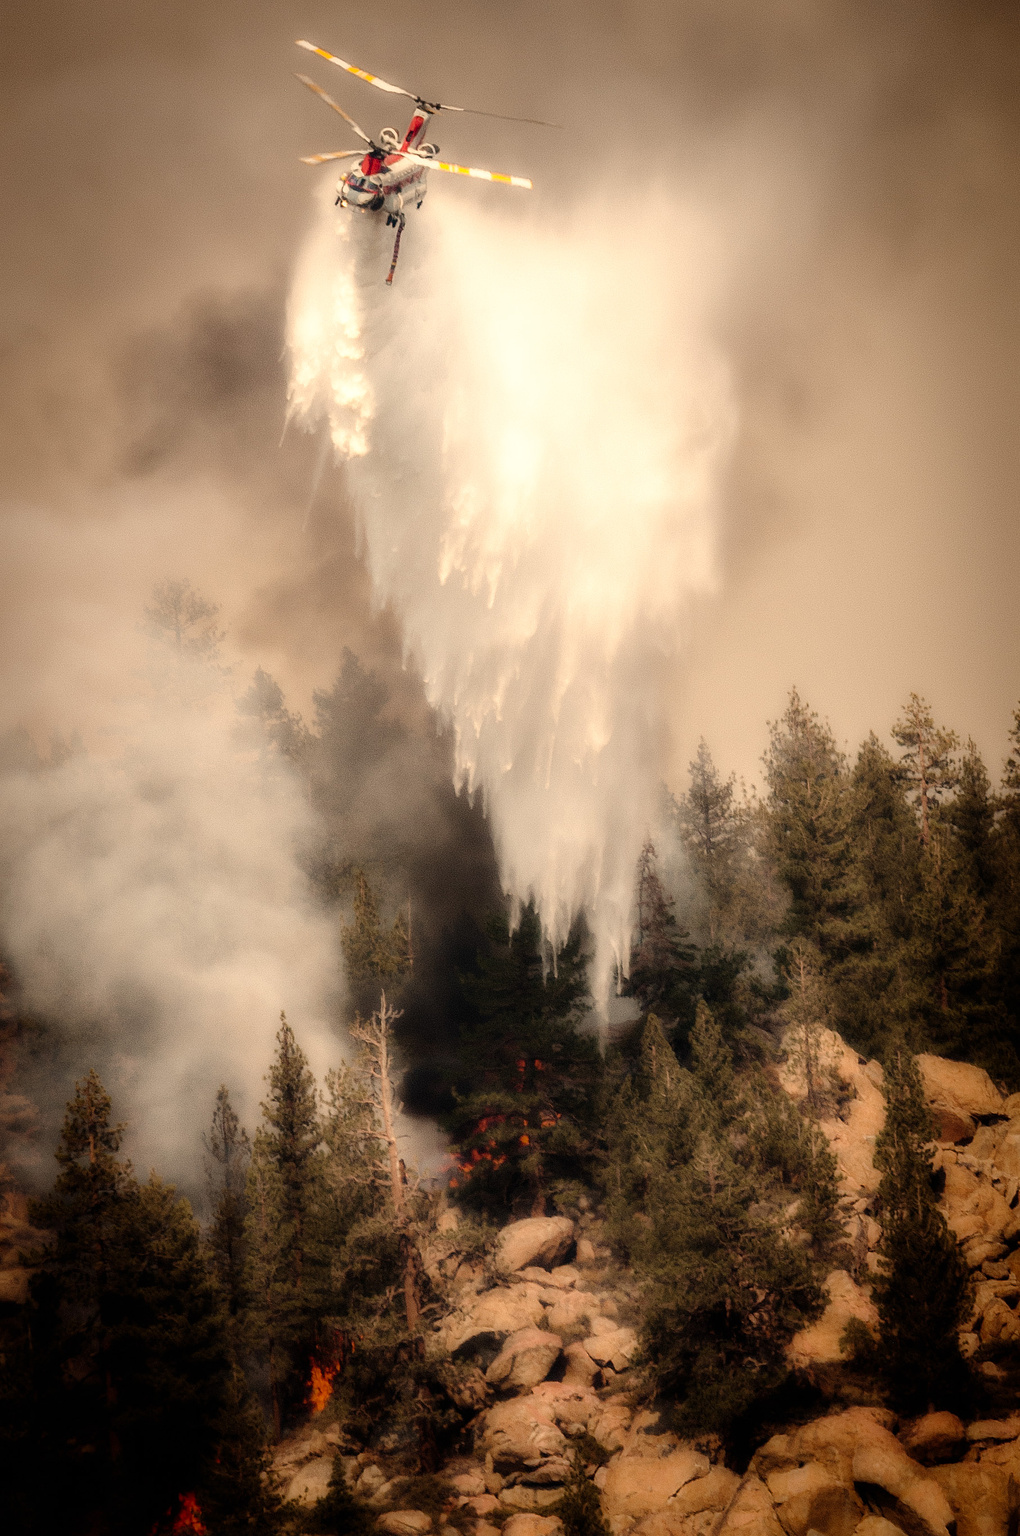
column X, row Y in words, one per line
column 861, row 158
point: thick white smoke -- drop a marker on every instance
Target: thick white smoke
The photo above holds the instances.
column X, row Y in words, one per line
column 535, row 422
column 154, row 906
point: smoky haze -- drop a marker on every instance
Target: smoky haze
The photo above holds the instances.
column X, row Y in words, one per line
column 858, row 166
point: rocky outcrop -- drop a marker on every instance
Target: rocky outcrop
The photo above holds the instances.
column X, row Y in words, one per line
column 959, row 1095
column 542, row 1241
column 525, row 1359
column 819, row 1343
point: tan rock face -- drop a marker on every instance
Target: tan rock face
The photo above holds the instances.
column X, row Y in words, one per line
column 309, row 1485
column 615, row 1347
column 820, row 1341
column 543, row 1241
column 530, row 1500
column 573, row 1309
column 505, row 1310
column 404, row 1522
column 751, row 1512
column 581, row 1368
column 468, row 1483
column 933, row 1438
column 532, row 1525
column 958, row 1087
column 637, row 1485
column 526, row 1358
column 984, row 1498
column 518, row 1433
column 852, row 1139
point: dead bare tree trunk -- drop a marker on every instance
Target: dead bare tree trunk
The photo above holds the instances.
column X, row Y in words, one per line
column 374, row 1035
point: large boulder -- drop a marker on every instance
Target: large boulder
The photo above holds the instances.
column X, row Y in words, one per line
column 615, row 1347
column 542, row 1241
column 862, row 1449
column 310, row 1485
column 526, row 1358
column 814, row 1498
column 572, row 1406
column 933, row 1438
column 984, row 1498
column 499, row 1312
column 973, row 1208
column 958, row 1095
column 695, row 1510
column 525, row 1500
column 574, row 1309
column 532, row 1525
column 519, row 1433
column 581, row 1368
column 404, row 1522
column 751, row 1512
column 819, row 1342
column 639, row 1485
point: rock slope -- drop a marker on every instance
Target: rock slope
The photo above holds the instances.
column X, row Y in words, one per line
column 550, row 1332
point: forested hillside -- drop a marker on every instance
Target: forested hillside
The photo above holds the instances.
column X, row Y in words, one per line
column 707, row 1168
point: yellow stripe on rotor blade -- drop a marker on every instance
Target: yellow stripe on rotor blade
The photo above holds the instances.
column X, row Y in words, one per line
column 470, row 170
column 352, row 69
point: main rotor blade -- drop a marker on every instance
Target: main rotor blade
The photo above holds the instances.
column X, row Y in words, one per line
column 352, row 69
column 333, row 154
column 468, row 170
column 331, row 103
column 503, row 116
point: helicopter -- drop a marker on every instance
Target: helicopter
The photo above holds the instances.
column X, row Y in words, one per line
column 393, row 172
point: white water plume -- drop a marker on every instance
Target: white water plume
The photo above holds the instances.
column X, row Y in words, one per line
column 535, row 423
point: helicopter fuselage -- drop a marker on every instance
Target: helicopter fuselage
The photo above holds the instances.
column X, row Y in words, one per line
column 392, row 183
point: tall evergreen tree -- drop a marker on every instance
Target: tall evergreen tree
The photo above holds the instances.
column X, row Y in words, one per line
column 523, row 1121
column 711, row 826
column 287, row 1270
column 809, row 831
column 229, row 1152
column 922, row 1291
column 726, row 1289
column 132, row 1364
column 927, row 757
column 663, row 974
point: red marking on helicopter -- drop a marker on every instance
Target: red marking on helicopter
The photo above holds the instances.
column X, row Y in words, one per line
column 393, row 174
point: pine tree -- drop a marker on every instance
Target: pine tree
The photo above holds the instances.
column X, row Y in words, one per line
column 647, row 1134
column 184, row 619
column 712, row 828
column 725, row 1288
column 807, row 1015
column 663, row 974
column 286, row 1268
column 227, row 1174
column 523, row 1123
column 371, row 955
column 809, row 831
column 238, row 1494
column 922, row 1292
column 131, row 1363
column 286, row 732
column 971, row 815
column 928, row 758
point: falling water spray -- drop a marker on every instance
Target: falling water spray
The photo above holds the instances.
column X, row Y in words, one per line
column 535, row 424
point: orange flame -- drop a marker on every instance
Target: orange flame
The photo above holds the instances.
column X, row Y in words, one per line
column 320, row 1386
column 189, row 1520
